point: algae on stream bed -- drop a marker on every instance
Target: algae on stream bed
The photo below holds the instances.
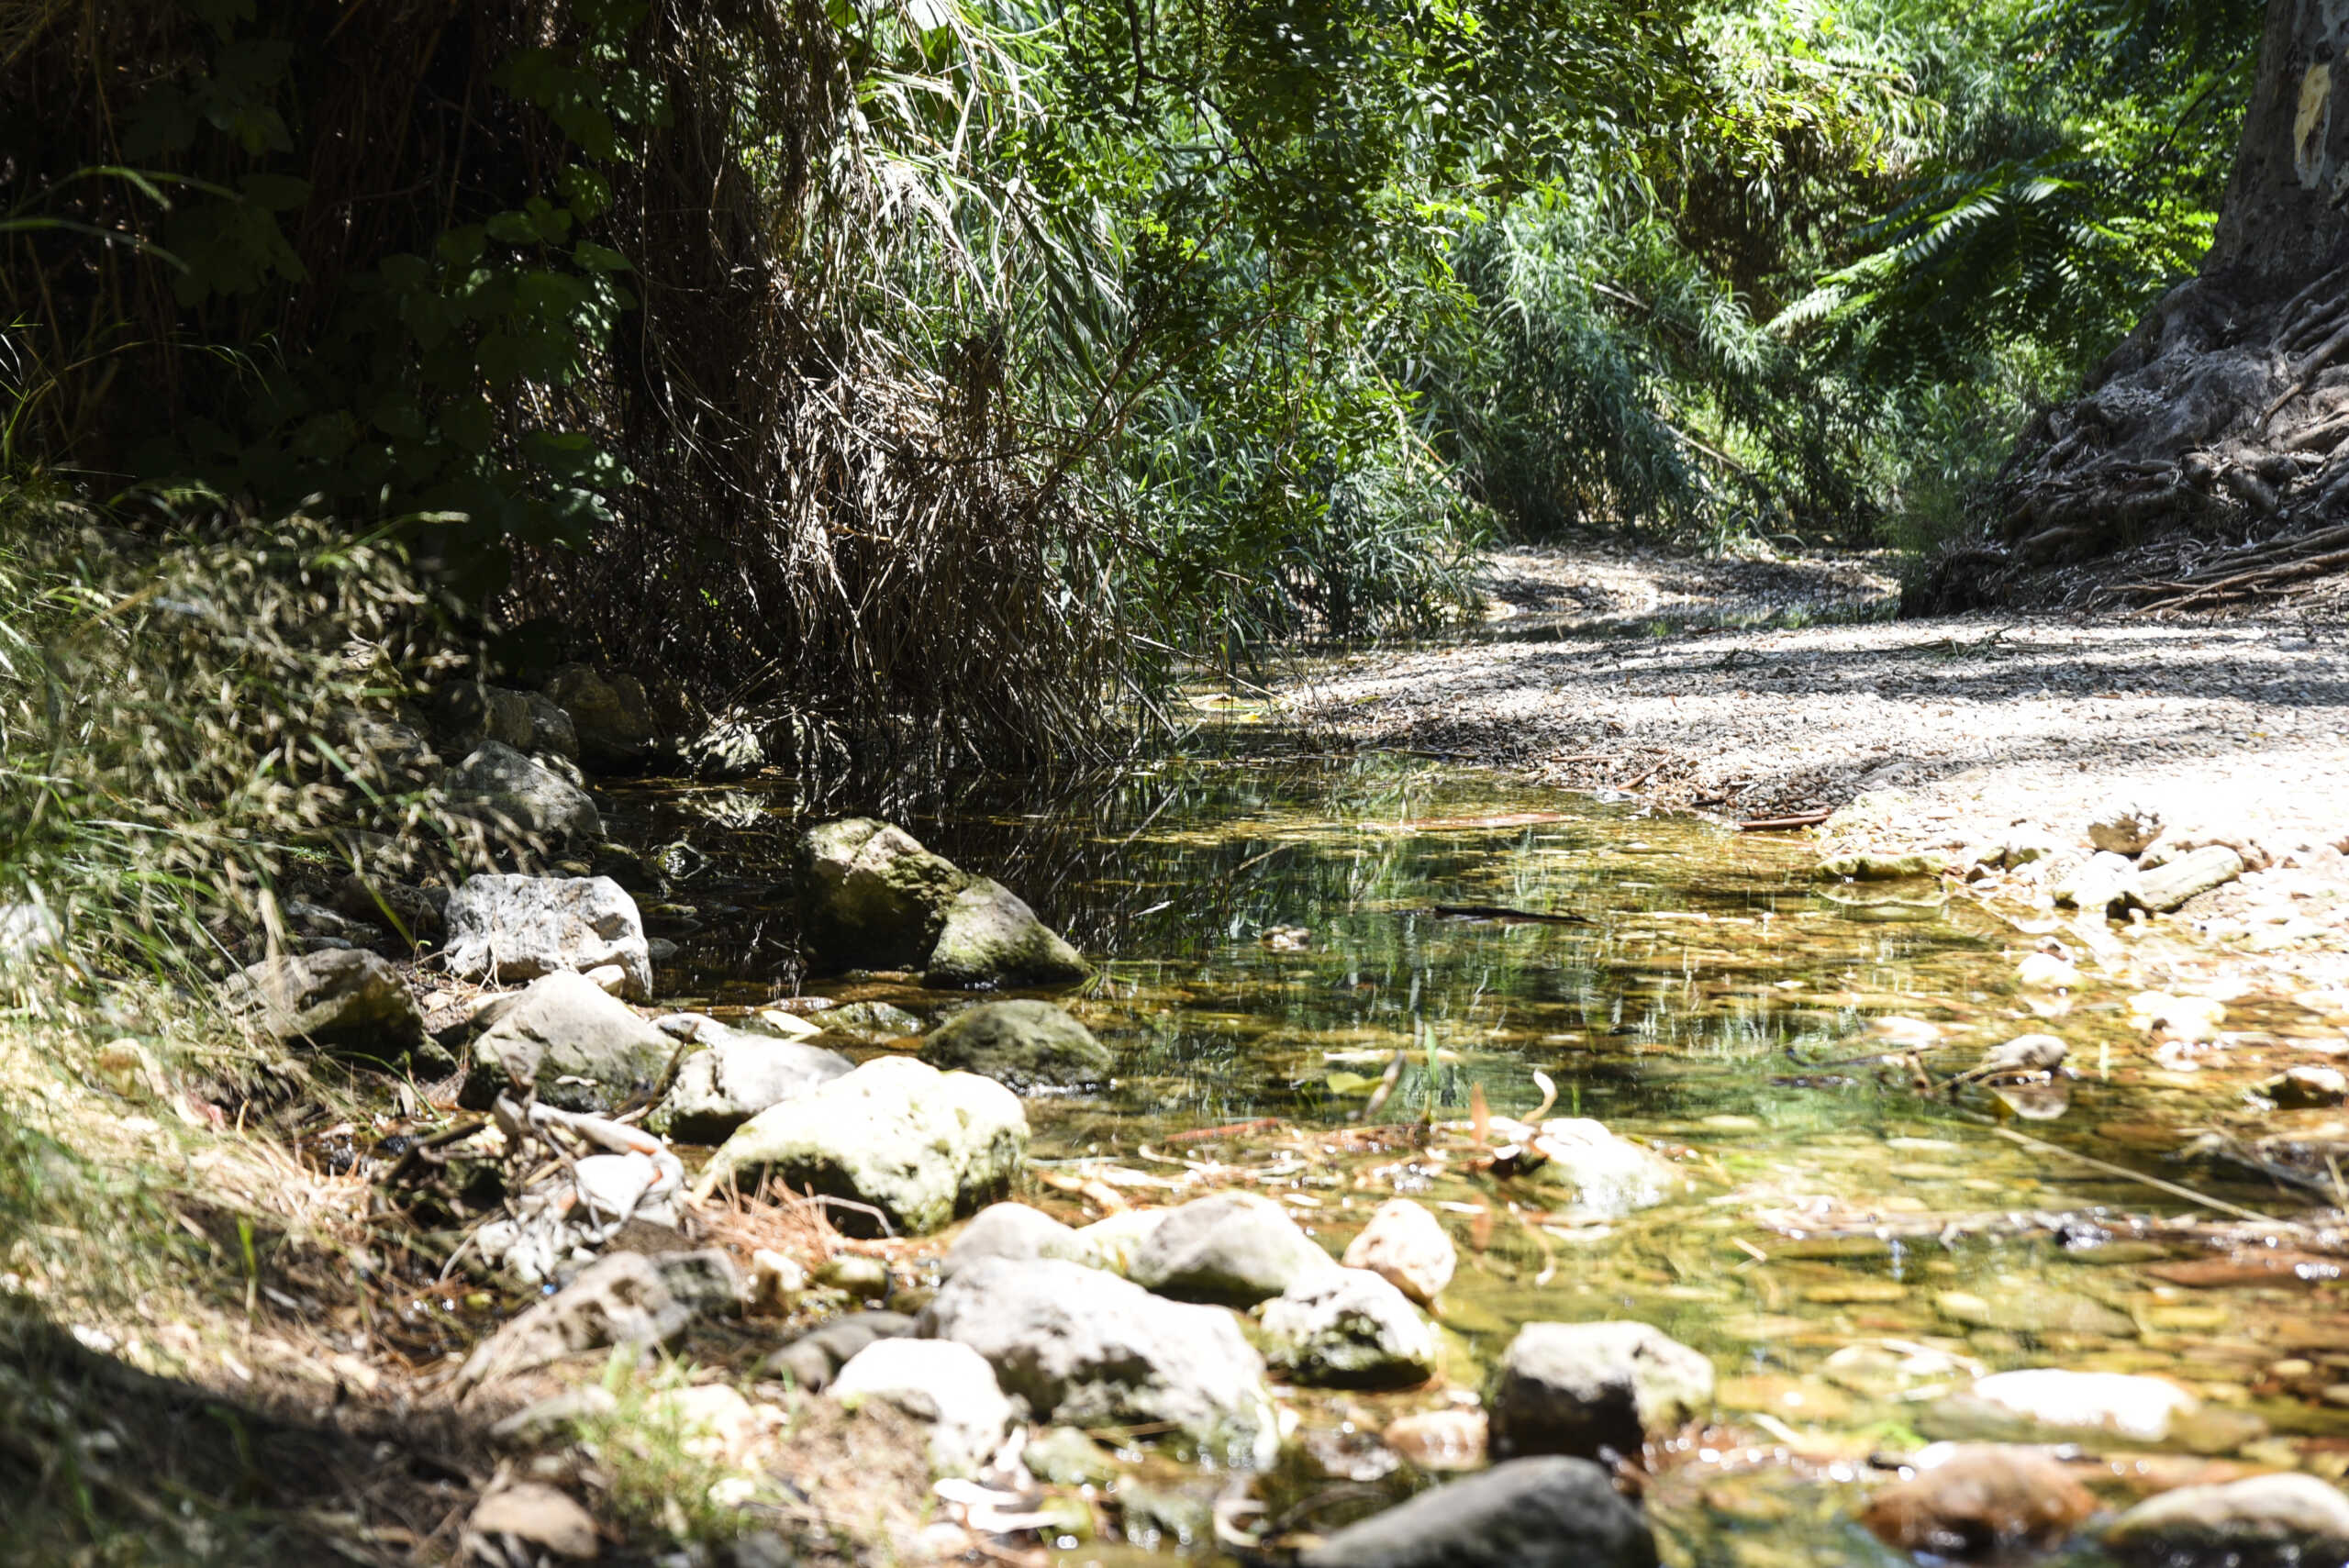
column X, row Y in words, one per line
column 1703, row 995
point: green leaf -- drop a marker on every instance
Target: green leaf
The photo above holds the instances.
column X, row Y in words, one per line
column 276, row 193
column 513, row 228
column 500, row 358
column 595, row 258
column 404, row 273
column 589, row 193
column 552, row 223
column 461, row 247
column 398, row 417
column 469, row 422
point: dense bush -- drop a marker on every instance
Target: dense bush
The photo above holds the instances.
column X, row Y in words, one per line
column 947, row 369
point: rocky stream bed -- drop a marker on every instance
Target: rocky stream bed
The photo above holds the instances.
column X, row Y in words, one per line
column 1339, row 1160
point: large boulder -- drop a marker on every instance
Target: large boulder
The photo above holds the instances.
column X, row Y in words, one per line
column 870, row 896
column 990, row 938
column 1348, row 1328
column 341, row 999
column 918, row 1145
column 1406, row 1246
column 2290, row 1518
column 1587, row 1389
column 1527, row 1513
column 1023, row 1045
column 1016, row 1231
column 512, row 794
column 947, row 1386
column 583, row 1050
column 522, row 928
column 1087, row 1349
column 1236, row 1249
column 611, row 716
column 729, row 1075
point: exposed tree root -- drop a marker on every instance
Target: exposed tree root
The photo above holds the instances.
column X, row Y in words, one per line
column 2261, row 571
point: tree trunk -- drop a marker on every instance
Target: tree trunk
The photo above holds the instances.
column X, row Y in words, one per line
column 2224, row 412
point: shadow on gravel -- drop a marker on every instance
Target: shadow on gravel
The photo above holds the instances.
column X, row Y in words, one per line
column 103, row 1462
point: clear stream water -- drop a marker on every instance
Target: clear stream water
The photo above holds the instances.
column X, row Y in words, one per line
column 1715, row 1001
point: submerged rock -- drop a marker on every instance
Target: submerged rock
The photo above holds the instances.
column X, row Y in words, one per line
column 729, row 1075
column 511, row 928
column 990, row 938
column 918, row 1145
column 1527, row 1513
column 2165, row 1016
column 1236, row 1249
column 2265, row 1518
column 947, row 1386
column 1439, row 1439
column 1873, row 866
column 1348, row 1328
column 2036, row 1311
column 2051, row 1404
column 1406, row 1245
column 868, row 1023
column 1589, row 1388
column 512, row 794
column 2302, row 1087
column 1976, row 1500
column 1023, row 1045
column 1063, row 1456
column 342, row 999
column 1609, row 1176
column 1087, row 1349
column 583, row 1050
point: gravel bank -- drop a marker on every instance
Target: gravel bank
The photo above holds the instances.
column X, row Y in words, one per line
column 1766, row 689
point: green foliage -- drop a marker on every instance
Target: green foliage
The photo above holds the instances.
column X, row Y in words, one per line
column 1824, row 303
column 950, row 365
column 177, row 720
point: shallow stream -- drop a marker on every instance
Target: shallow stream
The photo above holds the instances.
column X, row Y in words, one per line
column 1270, row 938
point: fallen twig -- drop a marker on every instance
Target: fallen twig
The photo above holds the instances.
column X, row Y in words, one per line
column 1503, row 912
column 1787, row 824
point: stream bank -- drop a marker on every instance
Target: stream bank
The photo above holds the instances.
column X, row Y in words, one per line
column 1335, row 984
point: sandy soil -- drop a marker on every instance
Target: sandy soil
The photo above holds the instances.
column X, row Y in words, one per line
column 1765, row 689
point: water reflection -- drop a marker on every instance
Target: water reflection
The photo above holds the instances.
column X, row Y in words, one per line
column 1274, row 934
